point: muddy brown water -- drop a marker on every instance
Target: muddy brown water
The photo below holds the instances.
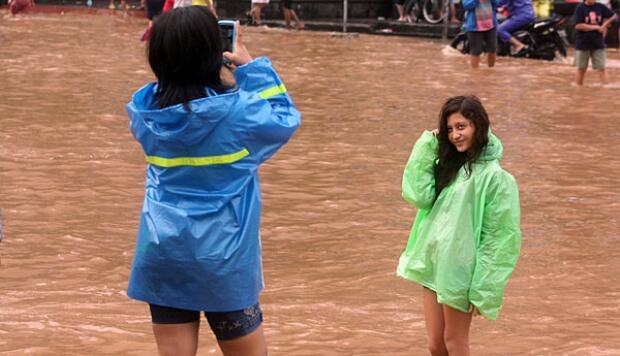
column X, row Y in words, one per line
column 334, row 224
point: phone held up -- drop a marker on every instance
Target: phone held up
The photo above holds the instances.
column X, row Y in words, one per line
column 228, row 32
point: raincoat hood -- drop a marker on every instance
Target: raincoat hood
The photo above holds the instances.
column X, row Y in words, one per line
column 493, row 150
column 175, row 123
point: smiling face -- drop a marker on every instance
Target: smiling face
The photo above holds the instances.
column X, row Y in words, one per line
column 461, row 132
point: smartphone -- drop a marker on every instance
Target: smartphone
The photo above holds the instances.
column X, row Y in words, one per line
column 228, row 32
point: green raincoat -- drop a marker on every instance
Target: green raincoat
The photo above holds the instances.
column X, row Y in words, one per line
column 465, row 244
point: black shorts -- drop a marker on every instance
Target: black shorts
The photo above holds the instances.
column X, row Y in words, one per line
column 399, row 2
column 477, row 39
column 225, row 325
column 287, row 4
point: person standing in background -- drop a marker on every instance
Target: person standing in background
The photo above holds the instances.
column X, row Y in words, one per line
column 591, row 22
column 481, row 27
column 255, row 12
column 289, row 13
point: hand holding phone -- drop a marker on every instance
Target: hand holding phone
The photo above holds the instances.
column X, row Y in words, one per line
column 234, row 50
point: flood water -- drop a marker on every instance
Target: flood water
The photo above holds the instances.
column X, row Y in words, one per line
column 334, row 223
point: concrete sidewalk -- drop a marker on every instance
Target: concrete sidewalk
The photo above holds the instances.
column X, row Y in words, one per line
column 372, row 26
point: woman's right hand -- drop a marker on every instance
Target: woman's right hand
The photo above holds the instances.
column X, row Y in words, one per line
column 241, row 55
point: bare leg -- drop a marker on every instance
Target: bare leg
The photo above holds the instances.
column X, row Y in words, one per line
column 602, row 76
column 474, row 61
column 518, row 45
column 287, row 18
column 253, row 344
column 581, row 74
column 456, row 333
column 256, row 12
column 177, row 339
column 491, row 59
column 453, row 17
column 434, row 320
column 401, row 12
column 298, row 24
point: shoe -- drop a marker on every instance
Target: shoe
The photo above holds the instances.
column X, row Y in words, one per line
column 522, row 52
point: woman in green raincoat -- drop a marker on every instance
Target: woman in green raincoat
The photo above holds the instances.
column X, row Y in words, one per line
column 465, row 240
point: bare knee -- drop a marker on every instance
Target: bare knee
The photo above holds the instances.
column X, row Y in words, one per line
column 456, row 345
column 437, row 347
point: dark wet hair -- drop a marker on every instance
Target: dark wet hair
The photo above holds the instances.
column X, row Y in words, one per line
column 450, row 159
column 185, row 53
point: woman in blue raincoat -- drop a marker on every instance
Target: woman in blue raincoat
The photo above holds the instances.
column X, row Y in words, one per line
column 465, row 240
column 198, row 244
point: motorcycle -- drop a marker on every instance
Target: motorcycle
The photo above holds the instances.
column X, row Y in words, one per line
column 543, row 40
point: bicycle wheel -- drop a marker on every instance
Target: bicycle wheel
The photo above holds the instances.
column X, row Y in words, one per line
column 434, row 10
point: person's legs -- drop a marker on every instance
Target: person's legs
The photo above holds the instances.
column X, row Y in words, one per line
column 602, row 76
column 298, row 24
column 434, row 321
column 581, row 62
column 253, row 344
column 491, row 57
column 475, row 47
column 239, row 332
column 287, row 17
column 598, row 64
column 581, row 74
column 256, row 12
column 490, row 40
column 175, row 330
column 177, row 339
column 456, row 332
column 509, row 26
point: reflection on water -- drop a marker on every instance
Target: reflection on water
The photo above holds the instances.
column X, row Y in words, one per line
column 71, row 184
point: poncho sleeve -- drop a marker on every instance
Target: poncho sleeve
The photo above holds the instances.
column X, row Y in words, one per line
column 419, row 177
column 273, row 116
column 499, row 245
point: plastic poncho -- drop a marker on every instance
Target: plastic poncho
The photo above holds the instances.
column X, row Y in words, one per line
column 465, row 244
column 198, row 244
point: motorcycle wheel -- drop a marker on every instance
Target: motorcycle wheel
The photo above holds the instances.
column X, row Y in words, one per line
column 559, row 44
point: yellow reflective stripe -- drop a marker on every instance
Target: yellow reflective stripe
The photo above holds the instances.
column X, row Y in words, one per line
column 197, row 161
column 273, row 91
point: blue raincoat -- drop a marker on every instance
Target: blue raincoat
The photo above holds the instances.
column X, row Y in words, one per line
column 198, row 244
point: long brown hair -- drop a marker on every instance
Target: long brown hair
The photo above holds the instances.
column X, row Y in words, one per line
column 450, row 159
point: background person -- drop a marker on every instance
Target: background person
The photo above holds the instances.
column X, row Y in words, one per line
column 198, row 244
column 255, row 11
column 520, row 14
column 153, row 9
column 481, row 26
column 465, row 240
column 289, row 13
column 17, row 6
column 400, row 8
column 591, row 23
